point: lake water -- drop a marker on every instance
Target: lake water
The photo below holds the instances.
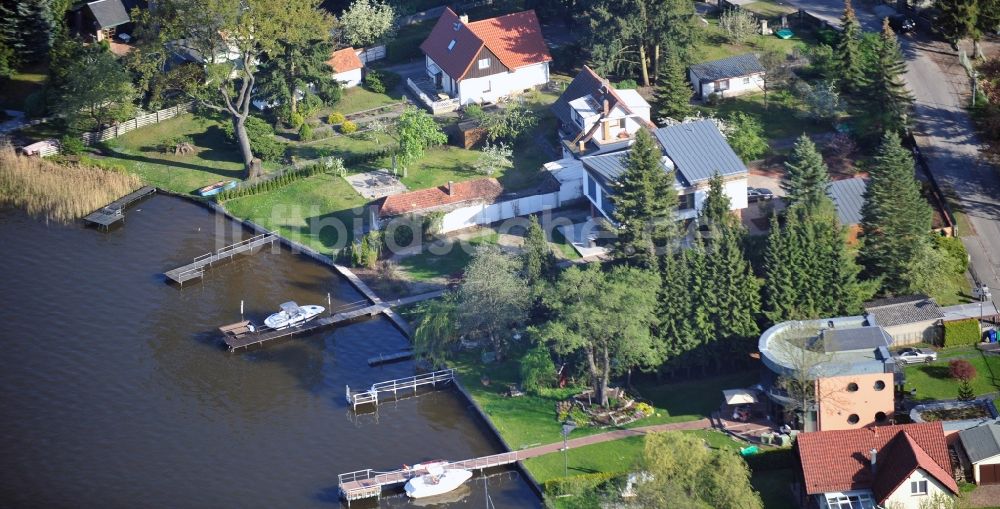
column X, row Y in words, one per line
column 117, row 392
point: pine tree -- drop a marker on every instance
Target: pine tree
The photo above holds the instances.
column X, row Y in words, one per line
column 732, row 294
column 28, row 27
column 676, row 331
column 700, row 321
column 672, row 96
column 850, row 65
column 807, row 178
column 890, row 100
column 539, row 263
column 957, row 18
column 645, row 202
column 780, row 290
column 896, row 218
column 715, row 209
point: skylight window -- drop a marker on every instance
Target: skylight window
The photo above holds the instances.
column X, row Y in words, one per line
column 456, row 25
column 451, row 44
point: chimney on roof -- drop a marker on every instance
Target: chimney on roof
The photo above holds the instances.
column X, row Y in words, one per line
column 449, row 187
column 464, row 18
column 874, row 453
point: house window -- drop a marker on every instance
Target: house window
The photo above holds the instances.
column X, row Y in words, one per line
column 451, row 44
column 853, row 419
column 918, row 488
column 852, row 387
column 879, row 385
column 607, row 205
column 720, row 85
column 746, row 80
column 621, row 123
column 592, row 188
column 859, row 501
column 484, row 63
column 685, row 201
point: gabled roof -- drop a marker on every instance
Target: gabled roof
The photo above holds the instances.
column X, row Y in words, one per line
column 902, row 310
column 485, row 189
column 732, row 67
column 108, row 13
column 515, row 39
column 848, row 196
column 981, row 442
column 841, row 460
column 589, row 84
column 344, row 60
column 699, row 150
column 904, row 456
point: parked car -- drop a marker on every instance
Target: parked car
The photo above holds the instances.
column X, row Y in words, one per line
column 758, row 194
column 902, row 24
column 916, row 355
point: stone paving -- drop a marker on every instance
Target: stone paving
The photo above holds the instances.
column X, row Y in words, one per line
column 376, row 184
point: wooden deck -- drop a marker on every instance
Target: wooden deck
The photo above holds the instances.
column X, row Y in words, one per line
column 115, row 211
column 369, row 483
column 410, row 383
column 196, row 268
column 237, row 337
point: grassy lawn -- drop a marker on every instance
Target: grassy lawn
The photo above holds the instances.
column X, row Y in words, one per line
column 933, row 382
column 692, row 400
column 429, row 265
column 773, row 486
column 309, row 210
column 780, row 118
column 216, row 158
column 559, row 243
column 768, row 9
column 14, row 91
column 359, row 99
column 715, row 44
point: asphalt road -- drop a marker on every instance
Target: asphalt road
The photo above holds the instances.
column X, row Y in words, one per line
column 945, row 135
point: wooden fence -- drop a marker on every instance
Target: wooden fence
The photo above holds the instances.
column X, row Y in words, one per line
column 135, row 123
column 371, row 54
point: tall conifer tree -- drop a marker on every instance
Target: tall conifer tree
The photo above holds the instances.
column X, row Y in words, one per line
column 890, row 100
column 807, row 178
column 850, row 61
column 645, row 203
column 672, row 95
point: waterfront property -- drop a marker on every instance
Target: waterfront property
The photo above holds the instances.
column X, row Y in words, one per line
column 196, row 268
column 115, row 211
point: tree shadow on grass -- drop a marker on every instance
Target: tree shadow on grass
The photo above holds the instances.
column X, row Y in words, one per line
column 234, row 173
column 937, row 372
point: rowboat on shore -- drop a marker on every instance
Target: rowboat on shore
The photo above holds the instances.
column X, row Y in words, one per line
column 216, row 188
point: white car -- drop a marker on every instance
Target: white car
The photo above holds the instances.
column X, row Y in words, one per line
column 916, row 355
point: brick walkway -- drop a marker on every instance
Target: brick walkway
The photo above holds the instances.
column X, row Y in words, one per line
column 617, row 434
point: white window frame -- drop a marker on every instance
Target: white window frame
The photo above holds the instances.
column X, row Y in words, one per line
column 918, row 488
column 849, row 501
column 484, row 63
column 746, row 80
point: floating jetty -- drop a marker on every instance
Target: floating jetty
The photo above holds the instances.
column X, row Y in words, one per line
column 115, row 211
column 239, row 335
column 410, row 383
column 196, row 268
column 380, row 359
column 369, row 483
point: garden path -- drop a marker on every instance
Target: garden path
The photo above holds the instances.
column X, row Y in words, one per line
column 617, row 434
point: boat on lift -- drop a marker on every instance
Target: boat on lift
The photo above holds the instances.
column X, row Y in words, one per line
column 292, row 314
column 437, row 481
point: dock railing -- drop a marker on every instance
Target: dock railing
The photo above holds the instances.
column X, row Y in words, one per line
column 234, row 248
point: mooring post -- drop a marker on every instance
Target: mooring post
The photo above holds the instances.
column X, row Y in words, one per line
column 329, row 303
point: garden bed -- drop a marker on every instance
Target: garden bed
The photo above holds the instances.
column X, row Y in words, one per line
column 955, row 414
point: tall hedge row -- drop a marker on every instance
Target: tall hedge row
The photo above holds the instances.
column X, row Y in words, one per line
column 578, row 484
column 961, row 332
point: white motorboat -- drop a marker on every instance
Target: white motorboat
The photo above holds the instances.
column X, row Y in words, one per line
column 438, row 480
column 292, row 314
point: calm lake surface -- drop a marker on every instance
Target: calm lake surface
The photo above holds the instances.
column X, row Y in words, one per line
column 117, row 392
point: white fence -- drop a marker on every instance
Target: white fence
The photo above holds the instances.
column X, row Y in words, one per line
column 135, row 123
column 480, row 214
column 371, row 54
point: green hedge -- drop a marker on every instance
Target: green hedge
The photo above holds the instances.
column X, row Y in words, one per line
column 577, row 484
column 961, row 332
column 772, row 459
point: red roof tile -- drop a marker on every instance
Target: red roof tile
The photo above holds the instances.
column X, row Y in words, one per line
column 344, row 60
column 841, row 460
column 905, row 456
column 516, row 40
column 487, row 189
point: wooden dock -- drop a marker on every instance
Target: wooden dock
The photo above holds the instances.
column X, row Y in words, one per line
column 388, row 358
column 115, row 211
column 410, row 383
column 238, row 337
column 196, row 268
column 369, row 483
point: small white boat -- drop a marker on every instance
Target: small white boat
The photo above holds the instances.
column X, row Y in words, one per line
column 438, row 480
column 292, row 314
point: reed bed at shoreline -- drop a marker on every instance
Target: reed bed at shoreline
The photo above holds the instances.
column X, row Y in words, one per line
column 58, row 192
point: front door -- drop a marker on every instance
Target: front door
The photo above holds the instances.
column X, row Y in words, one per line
column 437, row 79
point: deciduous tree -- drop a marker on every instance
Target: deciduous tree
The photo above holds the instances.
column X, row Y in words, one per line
column 745, row 134
column 416, row 131
column 93, row 90
column 492, row 298
column 494, row 158
column 739, row 24
column 367, row 22
column 437, row 333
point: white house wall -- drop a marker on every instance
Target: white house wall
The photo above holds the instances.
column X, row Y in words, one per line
column 902, row 498
column 349, row 78
column 490, row 88
column 735, row 189
column 754, row 83
column 480, row 214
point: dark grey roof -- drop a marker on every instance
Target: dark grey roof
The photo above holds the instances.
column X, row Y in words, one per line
column 902, row 310
column 848, row 195
column 585, row 83
column 981, row 442
column 607, row 168
column 732, row 67
column 856, row 338
column 108, row 13
column 699, row 151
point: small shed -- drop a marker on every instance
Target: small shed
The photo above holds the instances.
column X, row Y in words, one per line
column 848, row 196
column 728, row 77
column 346, row 66
column 982, row 446
column 105, row 16
column 908, row 319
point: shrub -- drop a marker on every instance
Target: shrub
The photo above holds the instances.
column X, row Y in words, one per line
column 537, row 369
column 305, row 132
column 296, row 119
column 309, row 105
column 645, row 409
column 322, row 133
column 773, row 459
column 71, row 144
column 365, row 253
column 171, row 145
column 954, row 250
column 348, row 127
column 961, row 369
column 578, row 484
column 431, row 223
column 961, row 332
column 336, row 118
column 474, row 111
column 262, row 141
column 628, row 84
column 373, row 82
column 579, row 417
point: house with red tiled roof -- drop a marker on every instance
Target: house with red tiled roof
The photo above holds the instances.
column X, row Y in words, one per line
column 903, row 466
column 346, row 67
column 594, row 116
column 483, row 61
column 470, row 194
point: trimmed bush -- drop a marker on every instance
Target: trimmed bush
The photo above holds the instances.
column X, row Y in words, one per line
column 955, row 251
column 305, row 133
column 296, row 119
column 373, row 82
column 348, row 127
column 961, row 332
column 336, row 118
column 71, row 145
column 578, row 484
column 772, row 459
